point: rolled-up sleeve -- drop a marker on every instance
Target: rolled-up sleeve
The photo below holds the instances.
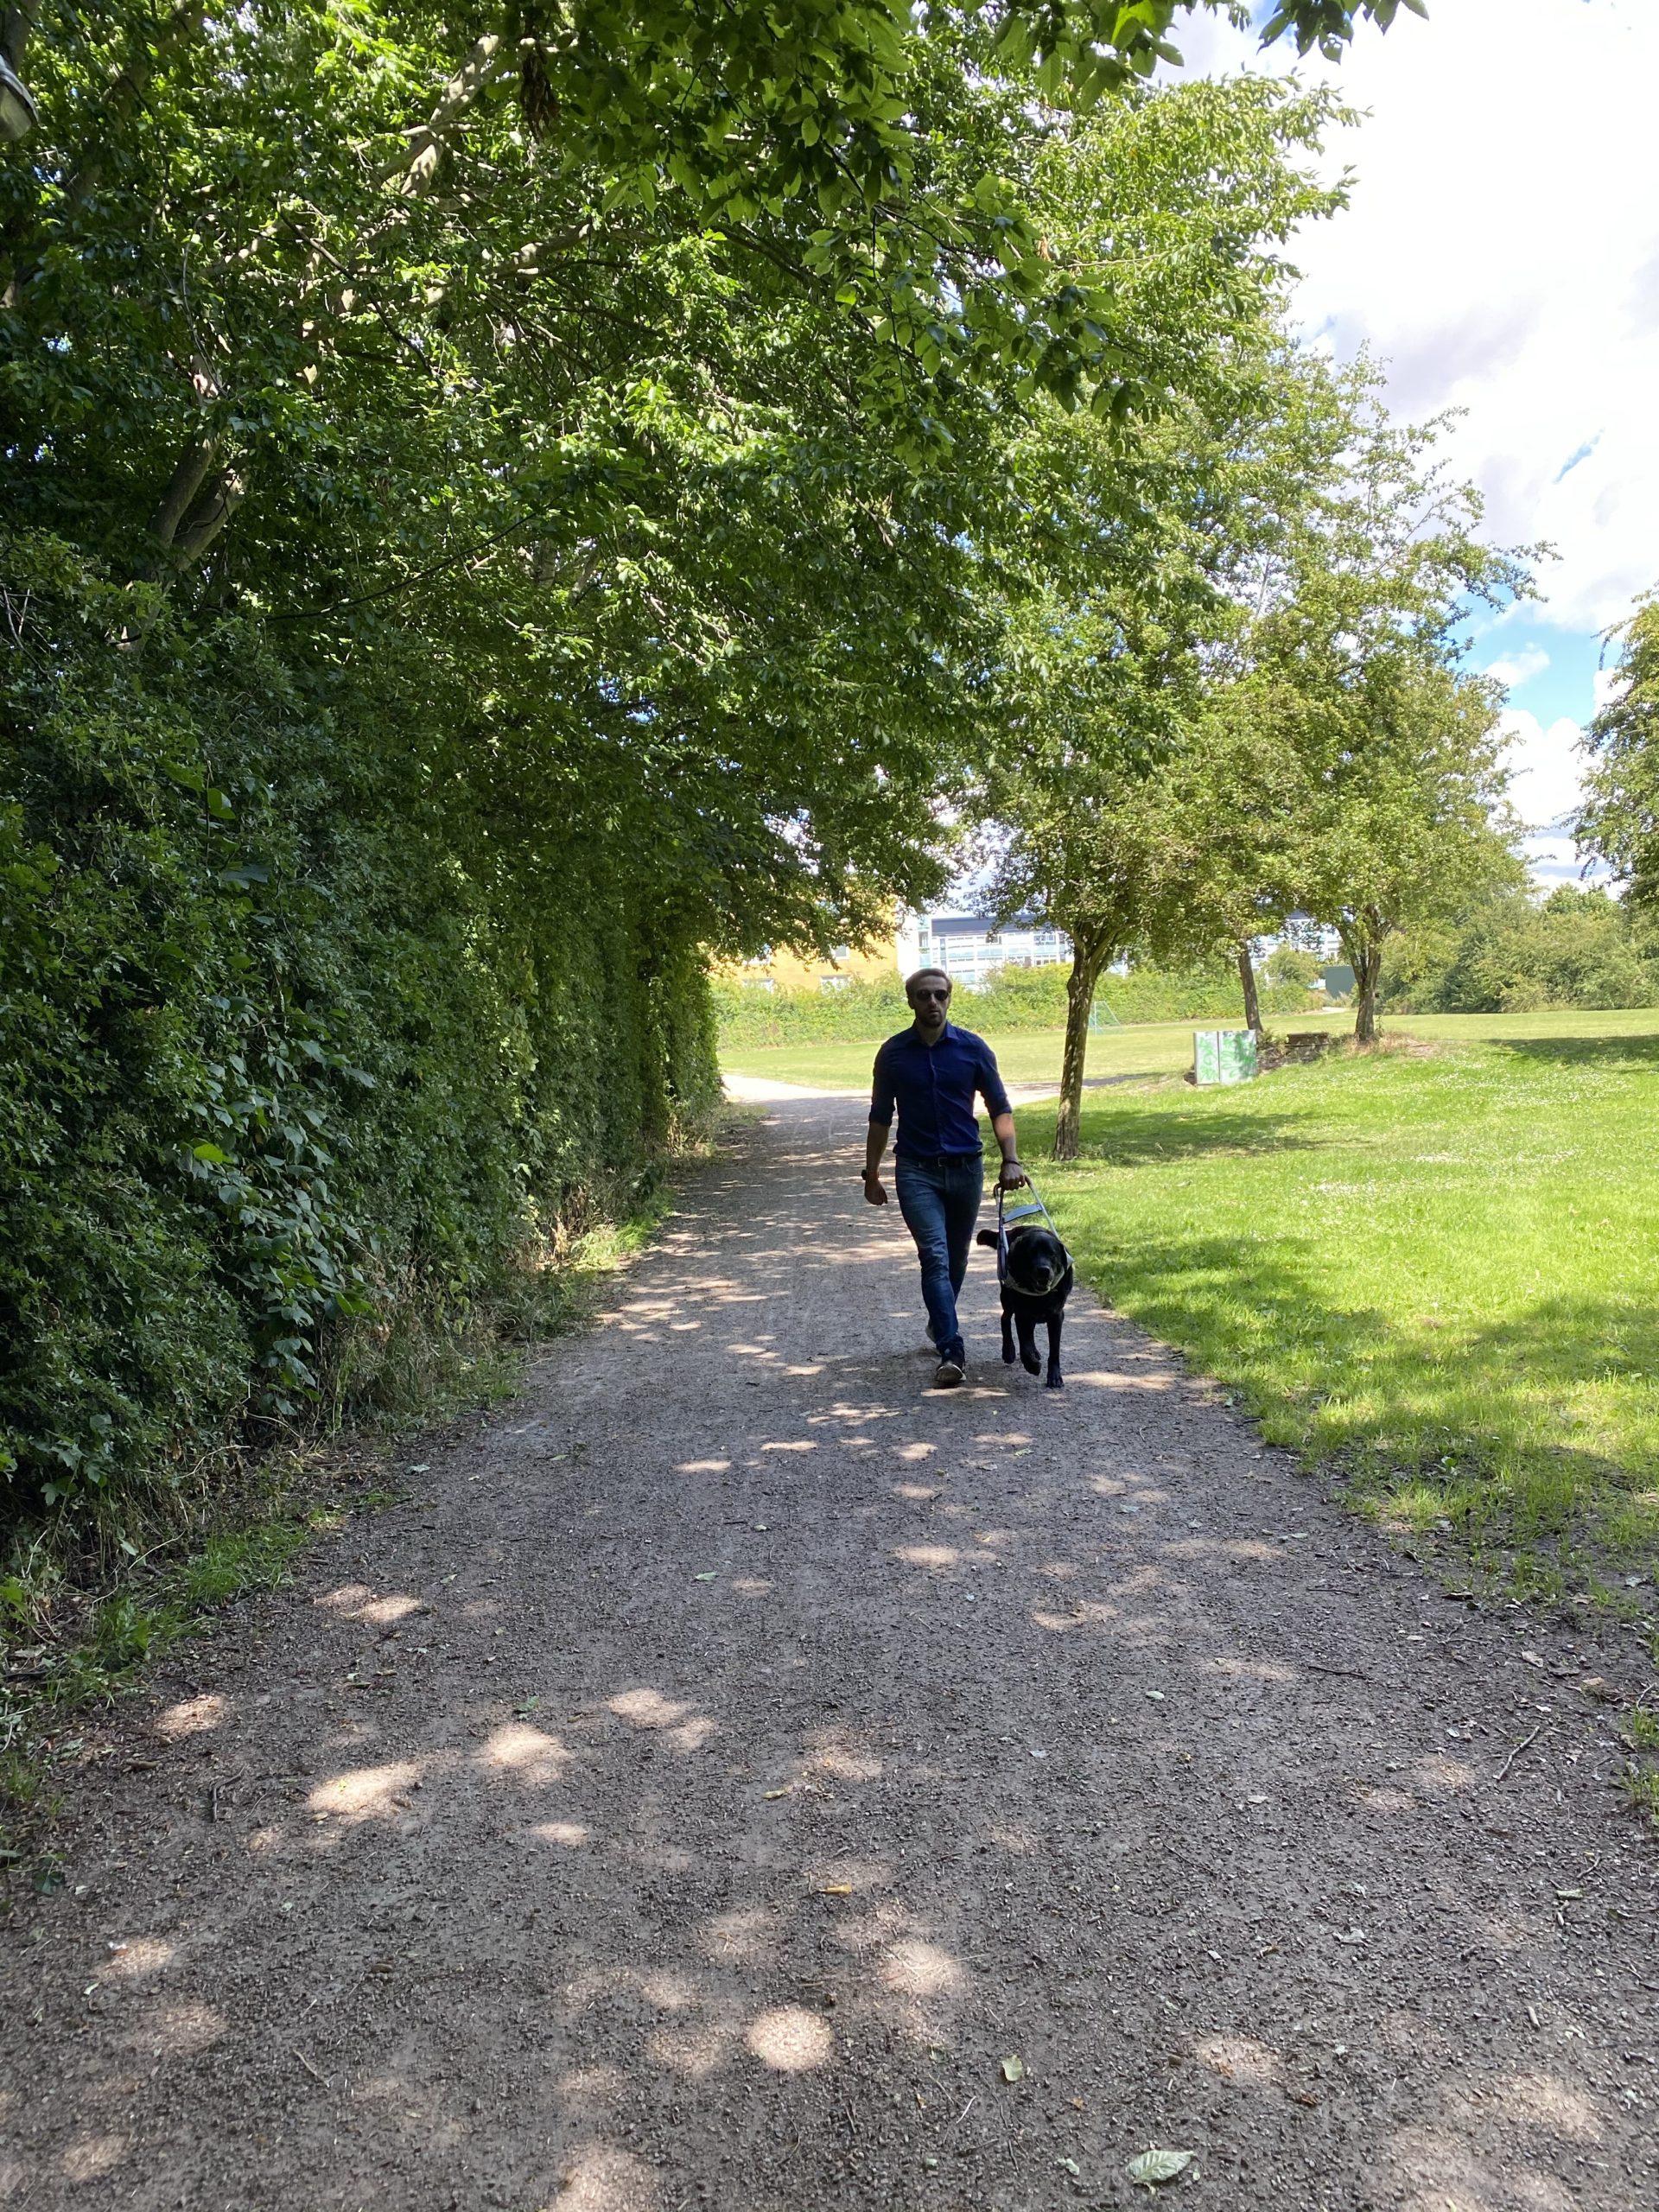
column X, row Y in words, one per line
column 883, row 1100
column 992, row 1089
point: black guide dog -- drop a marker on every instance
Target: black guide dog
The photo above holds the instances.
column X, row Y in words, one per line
column 1036, row 1283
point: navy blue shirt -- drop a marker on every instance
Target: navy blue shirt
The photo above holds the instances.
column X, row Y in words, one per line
column 933, row 1087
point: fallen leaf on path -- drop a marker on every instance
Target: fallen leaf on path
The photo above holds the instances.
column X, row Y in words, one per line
column 1157, row 1693
column 1068, row 2165
column 1531, row 1659
column 1597, row 1686
column 770, row 1793
column 703, row 1578
column 836, row 1889
column 1013, row 2068
column 1154, row 2166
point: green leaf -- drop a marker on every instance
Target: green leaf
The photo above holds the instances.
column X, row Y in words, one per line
column 1154, row 2167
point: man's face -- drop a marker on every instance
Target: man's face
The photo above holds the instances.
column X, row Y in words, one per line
column 929, row 1000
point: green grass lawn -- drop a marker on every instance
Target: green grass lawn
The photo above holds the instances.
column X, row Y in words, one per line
column 1164, row 1047
column 1024, row 1056
column 1435, row 1266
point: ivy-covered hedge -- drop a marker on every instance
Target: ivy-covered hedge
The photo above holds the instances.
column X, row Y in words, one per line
column 1018, row 998
column 287, row 1048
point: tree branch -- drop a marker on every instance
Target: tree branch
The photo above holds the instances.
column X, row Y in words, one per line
column 125, row 90
column 187, row 481
column 230, row 488
column 415, row 172
column 14, row 31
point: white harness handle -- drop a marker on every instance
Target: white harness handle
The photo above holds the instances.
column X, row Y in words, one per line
column 1008, row 1217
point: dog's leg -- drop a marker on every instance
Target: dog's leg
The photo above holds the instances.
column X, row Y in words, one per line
column 1056, row 1380
column 1029, row 1355
column 1007, row 1338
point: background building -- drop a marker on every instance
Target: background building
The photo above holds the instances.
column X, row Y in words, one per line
column 970, row 948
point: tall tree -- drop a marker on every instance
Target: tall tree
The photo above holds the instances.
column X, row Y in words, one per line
column 1404, row 822
column 1356, row 657
column 1620, row 821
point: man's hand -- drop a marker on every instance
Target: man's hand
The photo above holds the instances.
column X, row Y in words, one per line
column 1012, row 1177
column 875, row 1191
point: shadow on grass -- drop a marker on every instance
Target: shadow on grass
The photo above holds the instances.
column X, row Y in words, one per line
column 1473, row 1423
column 1171, row 1135
column 1639, row 1053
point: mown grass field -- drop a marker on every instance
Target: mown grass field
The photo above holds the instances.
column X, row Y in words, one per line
column 1434, row 1265
column 1024, row 1056
column 1162, row 1047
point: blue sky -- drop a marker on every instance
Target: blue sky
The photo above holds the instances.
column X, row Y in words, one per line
column 1500, row 255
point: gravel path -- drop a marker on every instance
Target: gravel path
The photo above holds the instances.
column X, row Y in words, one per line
column 735, row 1759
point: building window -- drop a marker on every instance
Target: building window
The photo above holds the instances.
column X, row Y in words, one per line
column 834, row 982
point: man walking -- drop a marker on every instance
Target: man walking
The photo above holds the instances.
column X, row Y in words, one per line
column 931, row 1072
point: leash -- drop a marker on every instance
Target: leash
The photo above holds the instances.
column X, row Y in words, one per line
column 1008, row 1217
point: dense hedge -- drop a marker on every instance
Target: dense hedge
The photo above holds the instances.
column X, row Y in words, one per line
column 1514, row 954
column 1018, row 998
column 286, row 1052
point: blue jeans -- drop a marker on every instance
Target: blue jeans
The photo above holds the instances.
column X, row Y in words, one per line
column 939, row 1200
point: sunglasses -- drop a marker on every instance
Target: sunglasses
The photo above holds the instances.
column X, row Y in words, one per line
column 944, row 994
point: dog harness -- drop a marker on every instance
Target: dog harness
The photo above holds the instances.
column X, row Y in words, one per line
column 1009, row 1217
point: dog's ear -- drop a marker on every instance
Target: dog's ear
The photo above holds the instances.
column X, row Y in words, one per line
column 986, row 1236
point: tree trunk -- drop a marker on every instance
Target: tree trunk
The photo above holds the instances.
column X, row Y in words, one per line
column 194, row 464
column 220, row 501
column 1246, row 983
column 1363, row 946
column 1086, row 965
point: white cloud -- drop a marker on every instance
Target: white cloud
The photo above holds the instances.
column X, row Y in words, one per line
column 1501, row 253
column 1554, row 860
column 1609, row 682
column 1547, row 768
column 1530, row 661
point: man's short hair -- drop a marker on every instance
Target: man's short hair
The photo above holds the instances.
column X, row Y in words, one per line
column 911, row 982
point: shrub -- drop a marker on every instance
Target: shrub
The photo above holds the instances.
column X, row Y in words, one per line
column 1578, row 948
column 282, row 1056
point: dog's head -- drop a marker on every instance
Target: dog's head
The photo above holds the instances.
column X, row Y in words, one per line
column 1037, row 1260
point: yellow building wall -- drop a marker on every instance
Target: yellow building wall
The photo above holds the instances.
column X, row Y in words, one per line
column 793, row 971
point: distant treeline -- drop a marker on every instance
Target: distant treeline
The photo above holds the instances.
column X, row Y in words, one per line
column 1578, row 948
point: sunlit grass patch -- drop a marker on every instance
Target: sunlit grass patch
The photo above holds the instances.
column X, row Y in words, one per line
column 1436, row 1273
